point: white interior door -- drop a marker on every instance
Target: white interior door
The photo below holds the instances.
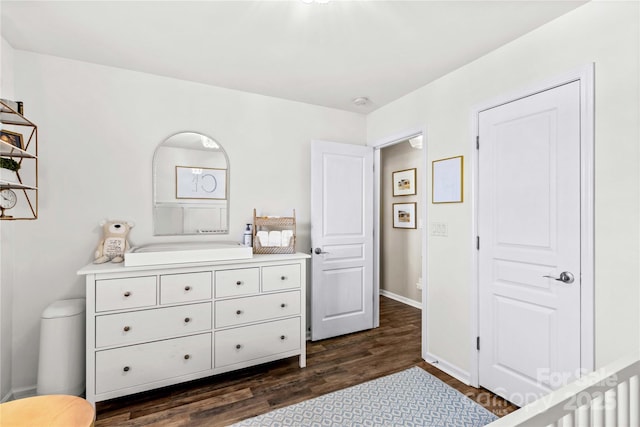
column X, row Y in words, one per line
column 529, row 256
column 342, row 239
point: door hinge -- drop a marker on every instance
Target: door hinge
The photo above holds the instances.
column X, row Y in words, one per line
column 478, row 343
column 477, row 142
column 478, row 242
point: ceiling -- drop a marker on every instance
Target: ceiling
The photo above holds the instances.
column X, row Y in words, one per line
column 323, row 54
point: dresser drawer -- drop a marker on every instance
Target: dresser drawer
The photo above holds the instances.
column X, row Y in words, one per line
column 120, row 294
column 278, row 277
column 251, row 309
column 243, row 281
column 148, row 325
column 146, row 363
column 254, row 342
column 185, row 287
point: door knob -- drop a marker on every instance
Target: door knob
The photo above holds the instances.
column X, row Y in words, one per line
column 565, row 277
column 319, row 251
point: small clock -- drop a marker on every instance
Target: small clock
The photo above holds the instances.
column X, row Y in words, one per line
column 8, row 200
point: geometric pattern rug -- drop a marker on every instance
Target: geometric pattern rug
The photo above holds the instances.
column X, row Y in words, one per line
column 409, row 398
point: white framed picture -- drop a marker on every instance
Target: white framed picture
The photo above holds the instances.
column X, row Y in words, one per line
column 404, row 215
column 404, row 182
column 201, row 183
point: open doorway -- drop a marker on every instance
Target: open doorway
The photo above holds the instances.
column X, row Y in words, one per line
column 401, row 206
column 405, row 246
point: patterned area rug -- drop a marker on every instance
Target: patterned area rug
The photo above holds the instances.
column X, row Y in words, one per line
column 408, row 398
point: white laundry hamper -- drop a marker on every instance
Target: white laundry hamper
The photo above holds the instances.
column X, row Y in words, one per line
column 61, row 363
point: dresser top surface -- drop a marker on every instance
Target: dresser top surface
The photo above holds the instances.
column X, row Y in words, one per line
column 109, row 267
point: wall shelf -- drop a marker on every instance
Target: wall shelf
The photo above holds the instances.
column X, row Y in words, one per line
column 15, row 185
column 24, row 181
column 8, row 150
column 10, row 116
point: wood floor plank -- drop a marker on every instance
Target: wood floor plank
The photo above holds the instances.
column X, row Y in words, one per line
column 211, row 399
column 332, row 365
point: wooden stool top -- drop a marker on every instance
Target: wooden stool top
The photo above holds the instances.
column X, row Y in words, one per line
column 47, row 411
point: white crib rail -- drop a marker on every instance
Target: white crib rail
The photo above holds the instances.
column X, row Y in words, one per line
column 608, row 397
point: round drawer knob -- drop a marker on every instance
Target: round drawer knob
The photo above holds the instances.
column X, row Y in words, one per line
column 127, row 294
column 283, row 277
column 238, row 346
column 126, row 369
column 282, row 337
column 238, row 312
column 127, row 328
column 238, row 283
column 187, row 319
column 187, row 357
column 187, row 288
column 283, row 305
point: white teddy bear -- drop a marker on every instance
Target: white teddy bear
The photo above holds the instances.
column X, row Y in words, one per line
column 114, row 243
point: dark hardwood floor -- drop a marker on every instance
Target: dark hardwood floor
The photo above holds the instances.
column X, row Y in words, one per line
column 332, row 364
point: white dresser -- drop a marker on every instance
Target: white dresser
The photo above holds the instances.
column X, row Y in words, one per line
column 150, row 327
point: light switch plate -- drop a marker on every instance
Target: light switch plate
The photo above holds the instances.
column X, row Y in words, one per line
column 439, row 229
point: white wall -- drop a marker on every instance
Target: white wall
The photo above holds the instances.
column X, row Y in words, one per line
column 6, row 272
column 400, row 249
column 98, row 128
column 606, row 33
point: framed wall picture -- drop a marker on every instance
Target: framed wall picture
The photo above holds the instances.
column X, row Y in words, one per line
column 404, row 215
column 201, row 183
column 404, row 182
column 446, row 180
column 12, row 138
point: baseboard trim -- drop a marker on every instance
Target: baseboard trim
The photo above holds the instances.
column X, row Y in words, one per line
column 23, row 392
column 448, row 368
column 401, row 299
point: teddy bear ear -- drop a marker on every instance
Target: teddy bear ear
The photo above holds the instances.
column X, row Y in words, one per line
column 103, row 222
column 131, row 224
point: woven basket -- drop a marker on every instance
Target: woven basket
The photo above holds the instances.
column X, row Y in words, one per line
column 265, row 223
column 259, row 249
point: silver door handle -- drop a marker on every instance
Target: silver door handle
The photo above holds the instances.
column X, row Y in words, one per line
column 565, row 277
column 319, row 251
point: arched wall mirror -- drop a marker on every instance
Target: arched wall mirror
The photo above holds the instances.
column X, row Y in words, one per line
column 190, row 186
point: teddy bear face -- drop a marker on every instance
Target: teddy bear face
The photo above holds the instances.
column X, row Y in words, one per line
column 120, row 228
column 117, row 228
